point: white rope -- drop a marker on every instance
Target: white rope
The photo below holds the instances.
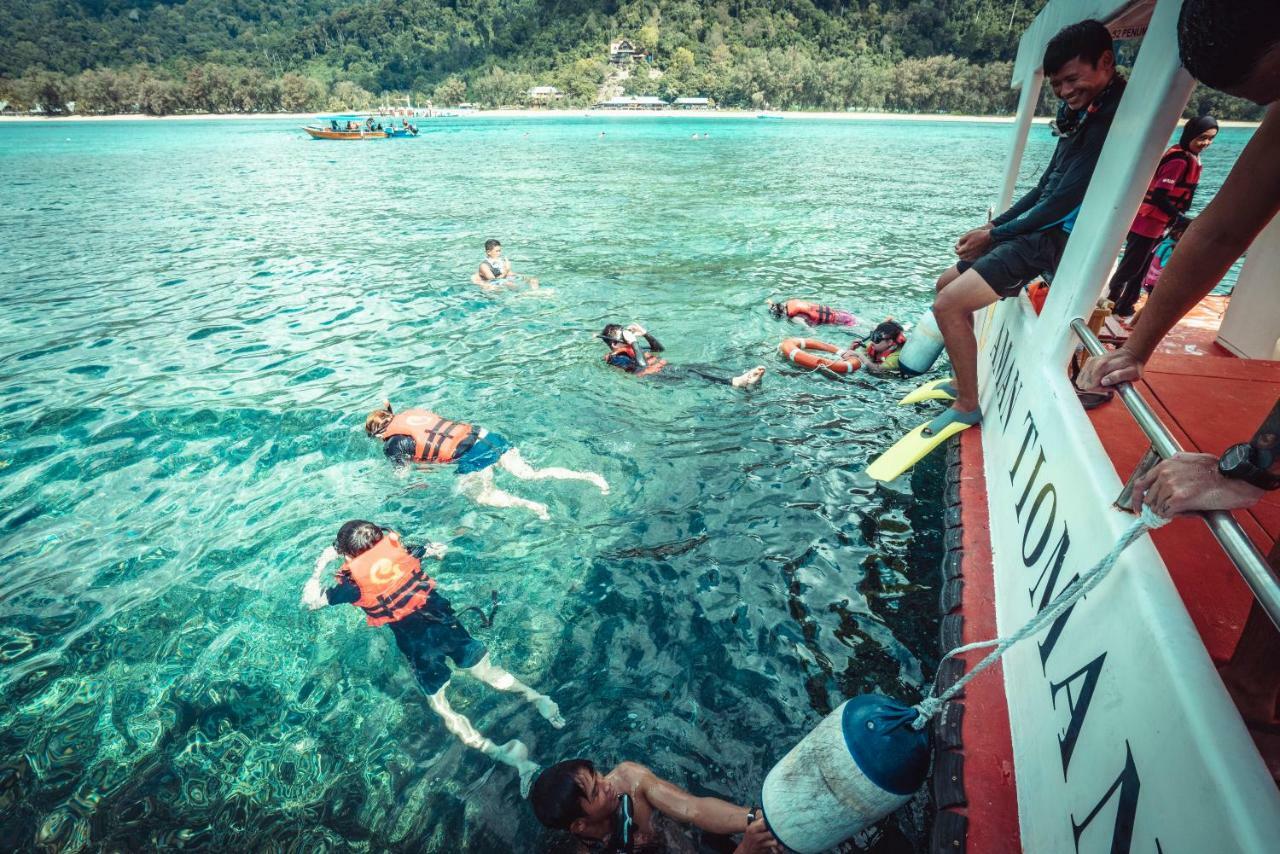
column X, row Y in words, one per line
column 1074, row 591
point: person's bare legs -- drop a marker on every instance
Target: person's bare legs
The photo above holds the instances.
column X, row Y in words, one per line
column 496, row 677
column 514, row 753
column 1251, row 676
column 953, row 309
column 949, row 276
column 479, row 487
column 515, row 464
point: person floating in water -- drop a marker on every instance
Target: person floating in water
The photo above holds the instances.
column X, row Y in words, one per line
column 416, row 435
column 811, row 313
column 495, row 270
column 641, row 361
column 384, row 578
column 615, row 811
column 878, row 352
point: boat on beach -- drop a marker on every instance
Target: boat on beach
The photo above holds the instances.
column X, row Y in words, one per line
column 1112, row 730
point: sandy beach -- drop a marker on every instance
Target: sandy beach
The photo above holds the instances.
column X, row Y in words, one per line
column 709, row 115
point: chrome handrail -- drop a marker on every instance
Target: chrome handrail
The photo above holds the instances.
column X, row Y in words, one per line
column 1253, row 567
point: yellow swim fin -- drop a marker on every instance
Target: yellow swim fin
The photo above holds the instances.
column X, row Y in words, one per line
column 911, row 449
column 932, row 390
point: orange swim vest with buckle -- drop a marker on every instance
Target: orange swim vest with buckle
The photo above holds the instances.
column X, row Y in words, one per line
column 436, row 439
column 817, row 315
column 652, row 365
column 391, row 581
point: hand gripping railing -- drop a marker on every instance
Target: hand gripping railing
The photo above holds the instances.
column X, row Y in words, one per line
column 1252, row 566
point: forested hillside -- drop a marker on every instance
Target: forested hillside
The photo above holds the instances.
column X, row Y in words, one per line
column 298, row 55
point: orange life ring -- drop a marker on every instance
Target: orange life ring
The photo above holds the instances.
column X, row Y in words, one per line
column 795, row 350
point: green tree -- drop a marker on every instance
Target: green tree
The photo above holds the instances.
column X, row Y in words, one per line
column 348, row 96
column 300, row 94
column 451, row 92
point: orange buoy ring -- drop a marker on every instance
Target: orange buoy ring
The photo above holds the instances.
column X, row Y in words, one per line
column 795, row 350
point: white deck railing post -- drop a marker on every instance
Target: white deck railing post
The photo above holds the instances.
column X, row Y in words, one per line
column 1027, row 100
column 1149, row 111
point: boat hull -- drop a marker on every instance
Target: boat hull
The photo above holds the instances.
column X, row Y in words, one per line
column 324, row 133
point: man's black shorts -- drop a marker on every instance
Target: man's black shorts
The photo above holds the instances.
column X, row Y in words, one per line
column 428, row 635
column 1011, row 264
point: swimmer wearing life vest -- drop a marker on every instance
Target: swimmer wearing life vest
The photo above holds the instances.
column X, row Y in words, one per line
column 495, row 270
column 811, row 313
column 385, row 579
column 616, row 811
column 641, row 361
column 419, row 436
column 878, row 352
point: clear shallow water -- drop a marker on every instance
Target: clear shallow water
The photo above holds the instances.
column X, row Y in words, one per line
column 198, row 315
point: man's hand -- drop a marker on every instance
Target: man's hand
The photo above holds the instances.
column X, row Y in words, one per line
column 1109, row 369
column 435, row 550
column 973, row 244
column 637, row 329
column 757, row 840
column 1188, row 483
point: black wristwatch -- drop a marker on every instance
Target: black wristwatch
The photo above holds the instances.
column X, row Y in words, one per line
column 1238, row 463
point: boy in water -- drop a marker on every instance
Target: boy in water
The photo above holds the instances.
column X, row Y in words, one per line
column 624, row 354
column 615, row 811
column 384, row 578
column 423, row 437
column 496, row 270
column 878, row 352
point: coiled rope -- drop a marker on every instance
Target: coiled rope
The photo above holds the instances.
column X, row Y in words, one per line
column 1091, row 578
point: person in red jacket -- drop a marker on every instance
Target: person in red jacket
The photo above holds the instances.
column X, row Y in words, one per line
column 384, row 578
column 416, row 435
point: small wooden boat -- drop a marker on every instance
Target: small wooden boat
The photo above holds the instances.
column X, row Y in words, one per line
column 330, row 133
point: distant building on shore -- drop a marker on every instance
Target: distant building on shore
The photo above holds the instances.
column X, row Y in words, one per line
column 632, row 102
column 692, row 103
column 541, row 96
column 622, row 51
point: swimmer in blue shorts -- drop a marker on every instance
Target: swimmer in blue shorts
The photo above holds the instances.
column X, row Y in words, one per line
column 419, row 436
column 384, row 578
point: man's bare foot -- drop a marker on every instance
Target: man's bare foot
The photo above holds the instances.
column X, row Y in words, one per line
column 600, row 482
column 750, row 378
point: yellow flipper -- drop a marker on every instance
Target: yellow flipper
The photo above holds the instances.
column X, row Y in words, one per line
column 911, row 449
column 930, row 391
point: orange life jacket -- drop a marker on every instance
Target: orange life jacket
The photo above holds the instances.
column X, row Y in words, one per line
column 817, row 315
column 391, row 581
column 436, row 439
column 652, row 366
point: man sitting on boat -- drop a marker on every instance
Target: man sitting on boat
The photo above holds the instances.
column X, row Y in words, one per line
column 496, row 270
column 1027, row 240
column 625, row 354
column 616, row 811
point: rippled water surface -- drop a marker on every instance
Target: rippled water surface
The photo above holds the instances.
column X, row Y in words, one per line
column 196, row 317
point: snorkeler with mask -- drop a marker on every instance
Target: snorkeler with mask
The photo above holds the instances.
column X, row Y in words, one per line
column 625, row 353
column 811, row 313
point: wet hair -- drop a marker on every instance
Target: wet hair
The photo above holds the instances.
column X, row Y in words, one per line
column 1194, row 127
column 557, row 796
column 889, row 330
column 777, row 308
column 1086, row 40
column 612, row 333
column 377, row 420
column 489, row 244
column 357, row 537
column 1221, row 43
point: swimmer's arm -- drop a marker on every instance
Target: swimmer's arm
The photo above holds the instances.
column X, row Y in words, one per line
column 711, row 814
column 654, row 344
column 314, row 596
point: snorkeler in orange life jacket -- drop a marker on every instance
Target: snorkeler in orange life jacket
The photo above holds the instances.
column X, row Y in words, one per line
column 385, row 579
column 420, row 436
column 626, row 354
column 811, row 313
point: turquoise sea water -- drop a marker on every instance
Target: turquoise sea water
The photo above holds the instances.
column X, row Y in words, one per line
column 197, row 316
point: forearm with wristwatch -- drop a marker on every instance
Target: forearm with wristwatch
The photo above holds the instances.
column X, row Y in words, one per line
column 1256, row 462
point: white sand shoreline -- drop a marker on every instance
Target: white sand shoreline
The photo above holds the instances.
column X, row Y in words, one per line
column 709, row 115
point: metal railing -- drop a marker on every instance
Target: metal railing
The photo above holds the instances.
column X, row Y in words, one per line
column 1255, row 570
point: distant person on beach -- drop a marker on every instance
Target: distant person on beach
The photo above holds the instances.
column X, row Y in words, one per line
column 419, row 436
column 999, row 258
column 626, row 354
column 384, row 578
column 1167, row 201
column 811, row 313
column 496, row 270
column 616, row 811
column 1233, row 47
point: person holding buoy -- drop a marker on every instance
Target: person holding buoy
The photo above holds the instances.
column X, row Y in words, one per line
column 626, row 354
column 420, row 436
column 877, row 352
column 384, row 577
column 811, row 313
column 616, row 811
column 495, row 270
